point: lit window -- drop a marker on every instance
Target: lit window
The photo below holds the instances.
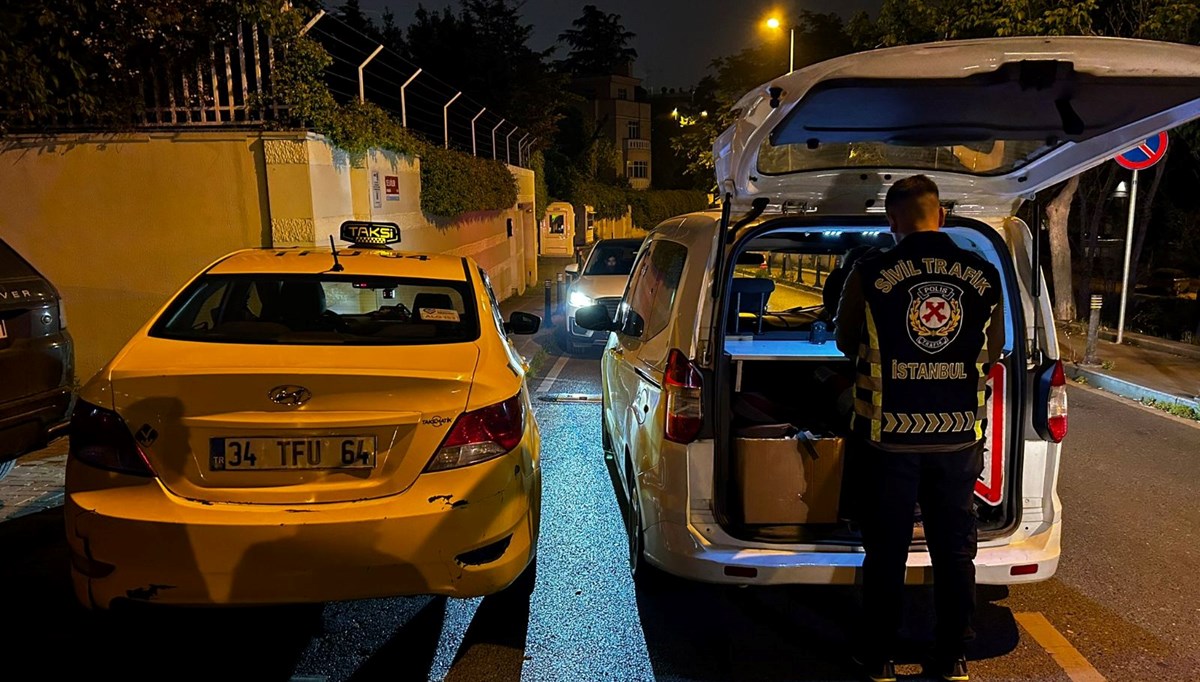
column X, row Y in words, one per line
column 635, row 130
column 639, row 169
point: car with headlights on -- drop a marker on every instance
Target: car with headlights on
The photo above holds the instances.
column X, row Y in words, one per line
column 601, row 281
column 308, row 424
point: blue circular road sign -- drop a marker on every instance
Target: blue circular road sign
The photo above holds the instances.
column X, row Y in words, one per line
column 1146, row 154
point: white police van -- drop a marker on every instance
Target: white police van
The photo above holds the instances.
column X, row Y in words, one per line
column 727, row 319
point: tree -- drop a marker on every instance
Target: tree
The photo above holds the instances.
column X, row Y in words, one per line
column 390, row 34
column 87, row 61
column 598, row 44
column 483, row 49
column 818, row 37
column 352, row 15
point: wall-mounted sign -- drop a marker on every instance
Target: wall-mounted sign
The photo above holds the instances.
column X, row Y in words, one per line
column 376, row 194
column 391, row 184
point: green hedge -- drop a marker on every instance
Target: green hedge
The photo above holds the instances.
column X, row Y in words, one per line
column 541, row 190
column 452, row 182
column 649, row 207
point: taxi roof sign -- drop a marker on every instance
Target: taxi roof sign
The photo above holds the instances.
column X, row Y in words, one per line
column 368, row 233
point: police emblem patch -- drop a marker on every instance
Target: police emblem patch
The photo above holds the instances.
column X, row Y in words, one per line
column 934, row 315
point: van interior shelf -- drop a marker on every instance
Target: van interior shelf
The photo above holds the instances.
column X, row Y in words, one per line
column 741, row 349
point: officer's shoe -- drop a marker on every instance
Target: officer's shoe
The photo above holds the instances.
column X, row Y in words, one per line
column 951, row 670
column 876, row 671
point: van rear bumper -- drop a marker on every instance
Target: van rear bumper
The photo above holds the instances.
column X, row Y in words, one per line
column 679, row 550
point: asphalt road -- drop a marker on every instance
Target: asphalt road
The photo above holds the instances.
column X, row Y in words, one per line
column 1126, row 597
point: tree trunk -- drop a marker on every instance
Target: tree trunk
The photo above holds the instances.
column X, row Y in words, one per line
column 1091, row 229
column 1057, row 212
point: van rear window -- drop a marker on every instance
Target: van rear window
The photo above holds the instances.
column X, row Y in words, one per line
column 321, row 310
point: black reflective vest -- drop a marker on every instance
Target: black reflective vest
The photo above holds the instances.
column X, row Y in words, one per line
column 924, row 347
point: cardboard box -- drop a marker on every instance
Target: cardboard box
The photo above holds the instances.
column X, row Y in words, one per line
column 782, row 483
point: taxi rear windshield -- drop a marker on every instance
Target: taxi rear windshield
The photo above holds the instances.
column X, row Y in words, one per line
column 321, row 310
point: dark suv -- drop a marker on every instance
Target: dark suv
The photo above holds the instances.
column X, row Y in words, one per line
column 37, row 360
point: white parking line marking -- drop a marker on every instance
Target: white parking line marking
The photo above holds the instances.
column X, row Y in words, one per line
column 1068, row 657
column 553, row 375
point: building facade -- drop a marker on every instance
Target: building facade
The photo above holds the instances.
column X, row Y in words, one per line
column 619, row 107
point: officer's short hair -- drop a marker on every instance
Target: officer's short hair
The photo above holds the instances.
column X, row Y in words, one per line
column 906, row 195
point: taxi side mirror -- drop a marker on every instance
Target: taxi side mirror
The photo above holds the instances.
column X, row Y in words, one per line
column 572, row 269
column 596, row 318
column 523, row 323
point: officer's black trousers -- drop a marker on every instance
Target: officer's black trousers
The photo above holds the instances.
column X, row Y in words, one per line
column 891, row 485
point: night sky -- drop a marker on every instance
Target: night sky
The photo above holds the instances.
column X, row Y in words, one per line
column 676, row 39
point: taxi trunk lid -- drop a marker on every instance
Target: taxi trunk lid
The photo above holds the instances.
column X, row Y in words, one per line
column 262, row 426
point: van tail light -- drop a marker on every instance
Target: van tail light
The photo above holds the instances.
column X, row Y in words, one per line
column 1056, row 404
column 482, row 434
column 683, row 387
column 100, row 438
column 1051, row 418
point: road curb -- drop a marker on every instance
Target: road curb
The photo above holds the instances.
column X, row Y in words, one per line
column 1127, row 389
column 1187, row 350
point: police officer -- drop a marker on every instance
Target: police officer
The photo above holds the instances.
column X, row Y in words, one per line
column 923, row 321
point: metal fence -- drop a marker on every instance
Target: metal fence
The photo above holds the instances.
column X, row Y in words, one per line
column 231, row 87
column 234, row 87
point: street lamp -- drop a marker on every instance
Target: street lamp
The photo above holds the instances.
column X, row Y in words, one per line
column 775, row 24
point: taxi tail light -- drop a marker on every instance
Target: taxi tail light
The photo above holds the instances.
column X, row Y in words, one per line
column 100, row 438
column 683, row 387
column 480, row 435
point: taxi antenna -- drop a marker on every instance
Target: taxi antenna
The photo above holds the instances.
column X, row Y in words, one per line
column 337, row 267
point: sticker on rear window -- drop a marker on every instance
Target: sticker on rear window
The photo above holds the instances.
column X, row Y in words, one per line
column 438, row 315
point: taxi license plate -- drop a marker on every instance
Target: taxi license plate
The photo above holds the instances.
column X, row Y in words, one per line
column 266, row 453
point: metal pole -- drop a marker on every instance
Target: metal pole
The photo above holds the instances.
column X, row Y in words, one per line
column 473, row 130
column 494, row 138
column 549, row 312
column 312, row 22
column 561, row 292
column 1128, row 254
column 792, row 51
column 361, row 97
column 403, row 103
column 1089, row 355
column 519, row 143
column 446, row 119
column 508, row 145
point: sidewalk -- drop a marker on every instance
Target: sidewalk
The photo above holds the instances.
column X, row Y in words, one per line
column 1153, row 369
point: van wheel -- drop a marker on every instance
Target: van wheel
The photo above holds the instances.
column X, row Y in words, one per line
column 605, row 439
column 633, row 523
column 6, row 467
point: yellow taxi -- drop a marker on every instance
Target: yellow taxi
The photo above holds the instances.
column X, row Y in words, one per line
column 310, row 424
